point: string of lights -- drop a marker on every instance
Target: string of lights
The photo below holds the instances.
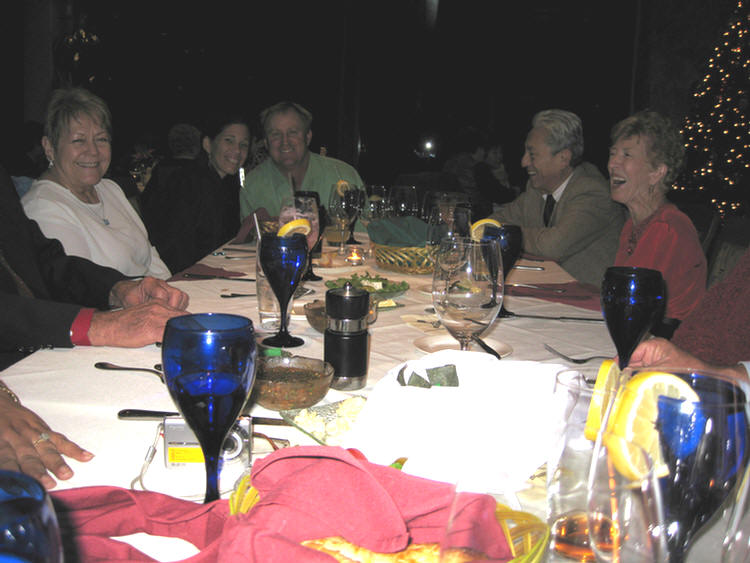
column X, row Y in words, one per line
column 716, row 132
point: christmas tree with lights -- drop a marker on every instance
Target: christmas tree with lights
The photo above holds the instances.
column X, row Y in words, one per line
column 716, row 130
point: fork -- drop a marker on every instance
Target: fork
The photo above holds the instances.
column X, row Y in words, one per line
column 575, row 360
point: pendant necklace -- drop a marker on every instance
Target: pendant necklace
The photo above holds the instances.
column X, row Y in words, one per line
column 97, row 209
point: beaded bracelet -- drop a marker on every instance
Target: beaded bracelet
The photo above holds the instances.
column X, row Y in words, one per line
column 13, row 397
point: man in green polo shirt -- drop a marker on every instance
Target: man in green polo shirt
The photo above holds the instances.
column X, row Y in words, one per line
column 290, row 166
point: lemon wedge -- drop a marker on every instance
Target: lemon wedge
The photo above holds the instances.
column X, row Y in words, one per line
column 342, row 186
column 633, row 420
column 301, row 226
column 606, row 384
column 477, row 229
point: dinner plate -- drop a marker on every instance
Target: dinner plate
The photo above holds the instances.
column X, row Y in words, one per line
column 434, row 343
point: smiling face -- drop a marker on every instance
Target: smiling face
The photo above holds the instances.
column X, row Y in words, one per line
column 546, row 170
column 287, row 140
column 631, row 173
column 228, row 150
column 82, row 155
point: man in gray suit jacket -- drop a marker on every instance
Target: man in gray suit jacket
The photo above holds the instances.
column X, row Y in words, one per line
column 580, row 226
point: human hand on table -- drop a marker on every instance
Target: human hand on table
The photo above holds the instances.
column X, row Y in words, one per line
column 136, row 326
column 28, row 445
column 128, row 293
column 660, row 352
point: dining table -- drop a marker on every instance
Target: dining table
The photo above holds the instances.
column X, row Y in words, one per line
column 65, row 388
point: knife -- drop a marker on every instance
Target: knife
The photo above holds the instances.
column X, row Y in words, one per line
column 211, row 277
column 486, row 347
column 535, row 268
column 563, row 318
column 158, row 415
column 235, row 249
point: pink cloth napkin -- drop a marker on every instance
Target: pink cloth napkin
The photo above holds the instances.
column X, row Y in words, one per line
column 576, row 293
column 204, row 270
column 305, row 492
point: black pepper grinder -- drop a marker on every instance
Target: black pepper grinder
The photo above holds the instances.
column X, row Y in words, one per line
column 346, row 340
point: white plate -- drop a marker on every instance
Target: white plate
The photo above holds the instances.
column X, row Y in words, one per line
column 438, row 342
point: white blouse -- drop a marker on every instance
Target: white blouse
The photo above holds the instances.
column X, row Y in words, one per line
column 109, row 233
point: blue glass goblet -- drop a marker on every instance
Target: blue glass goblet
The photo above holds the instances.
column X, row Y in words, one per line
column 633, row 299
column 510, row 238
column 284, row 261
column 28, row 524
column 209, row 367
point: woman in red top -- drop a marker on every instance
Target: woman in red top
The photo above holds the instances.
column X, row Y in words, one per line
column 646, row 154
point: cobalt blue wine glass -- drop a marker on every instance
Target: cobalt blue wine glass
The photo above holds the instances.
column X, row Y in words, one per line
column 284, row 261
column 28, row 523
column 510, row 238
column 703, row 440
column 633, row 300
column 209, row 367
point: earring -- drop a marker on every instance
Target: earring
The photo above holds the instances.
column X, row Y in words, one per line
column 51, row 163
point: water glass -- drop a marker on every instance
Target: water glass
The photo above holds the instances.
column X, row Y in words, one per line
column 28, row 523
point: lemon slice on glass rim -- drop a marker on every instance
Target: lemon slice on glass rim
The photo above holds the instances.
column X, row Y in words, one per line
column 607, row 380
column 342, row 186
column 633, row 420
column 301, row 226
column 477, row 229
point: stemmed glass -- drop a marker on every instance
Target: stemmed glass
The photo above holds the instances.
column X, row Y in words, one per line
column 510, row 238
column 344, row 205
column 28, row 523
column 463, row 283
column 209, row 368
column 283, row 260
column 633, row 299
column 374, row 207
column 402, row 201
column 305, row 205
column 699, row 425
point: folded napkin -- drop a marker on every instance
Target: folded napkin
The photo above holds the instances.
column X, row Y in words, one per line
column 579, row 294
column 205, row 270
column 489, row 434
column 305, row 493
column 398, row 231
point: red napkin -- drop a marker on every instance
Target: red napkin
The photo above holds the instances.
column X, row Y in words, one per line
column 305, row 492
column 579, row 294
column 204, row 270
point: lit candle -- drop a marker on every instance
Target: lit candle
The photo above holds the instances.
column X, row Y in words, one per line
column 354, row 258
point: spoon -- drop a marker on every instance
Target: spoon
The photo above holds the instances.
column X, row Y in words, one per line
column 114, row 367
column 230, row 295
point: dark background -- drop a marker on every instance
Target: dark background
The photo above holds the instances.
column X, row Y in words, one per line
column 377, row 75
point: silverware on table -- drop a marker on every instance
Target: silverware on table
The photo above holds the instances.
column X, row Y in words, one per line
column 532, row 286
column 486, row 347
column 522, row 267
column 113, row 367
column 211, row 277
column 230, row 295
column 561, row 318
column 575, row 360
column 237, row 249
column 158, row 415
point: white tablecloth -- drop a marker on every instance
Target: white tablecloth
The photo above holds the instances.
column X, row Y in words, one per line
column 63, row 386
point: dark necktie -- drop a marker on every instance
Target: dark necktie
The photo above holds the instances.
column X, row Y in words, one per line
column 549, row 205
column 23, row 289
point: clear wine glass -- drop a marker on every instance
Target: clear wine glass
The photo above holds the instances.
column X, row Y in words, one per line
column 375, row 207
column 344, row 205
column 633, row 299
column 209, row 368
column 402, row 201
column 307, row 204
column 623, row 516
column 700, row 429
column 29, row 529
column 284, row 260
column 465, row 274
